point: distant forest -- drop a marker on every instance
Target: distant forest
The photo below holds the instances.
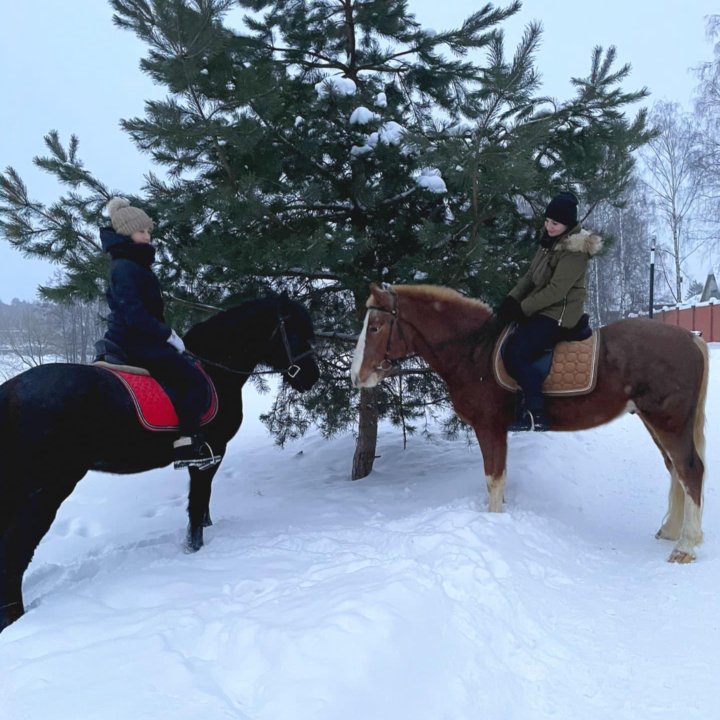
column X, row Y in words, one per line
column 40, row 332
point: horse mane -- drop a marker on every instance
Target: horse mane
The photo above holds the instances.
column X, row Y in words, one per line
column 210, row 335
column 480, row 331
column 438, row 293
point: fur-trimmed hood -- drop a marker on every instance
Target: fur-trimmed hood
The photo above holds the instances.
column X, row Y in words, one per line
column 581, row 240
column 554, row 284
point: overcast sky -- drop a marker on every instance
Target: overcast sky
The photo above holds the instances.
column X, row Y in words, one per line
column 65, row 66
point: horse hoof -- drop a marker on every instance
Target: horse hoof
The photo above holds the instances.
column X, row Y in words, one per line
column 663, row 534
column 680, row 556
column 194, row 541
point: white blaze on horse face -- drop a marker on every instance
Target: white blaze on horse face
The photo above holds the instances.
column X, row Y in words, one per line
column 356, row 367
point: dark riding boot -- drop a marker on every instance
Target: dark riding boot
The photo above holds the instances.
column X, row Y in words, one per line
column 194, row 451
column 530, row 415
column 535, row 408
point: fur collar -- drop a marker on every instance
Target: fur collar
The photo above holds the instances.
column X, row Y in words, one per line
column 581, row 240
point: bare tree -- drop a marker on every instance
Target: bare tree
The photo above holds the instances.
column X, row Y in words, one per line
column 79, row 325
column 707, row 109
column 619, row 280
column 28, row 333
column 35, row 333
column 674, row 174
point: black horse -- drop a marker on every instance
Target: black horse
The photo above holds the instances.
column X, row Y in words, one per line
column 58, row 421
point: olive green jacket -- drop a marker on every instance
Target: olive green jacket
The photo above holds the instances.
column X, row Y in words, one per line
column 554, row 284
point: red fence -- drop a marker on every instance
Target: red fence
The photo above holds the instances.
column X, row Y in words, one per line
column 704, row 318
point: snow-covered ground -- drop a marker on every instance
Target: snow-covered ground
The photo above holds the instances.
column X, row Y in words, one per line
column 398, row 596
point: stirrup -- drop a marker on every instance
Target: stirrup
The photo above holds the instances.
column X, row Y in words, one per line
column 538, row 421
column 530, row 422
column 521, row 424
column 194, row 452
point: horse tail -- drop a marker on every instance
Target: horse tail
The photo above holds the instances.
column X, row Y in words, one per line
column 699, row 426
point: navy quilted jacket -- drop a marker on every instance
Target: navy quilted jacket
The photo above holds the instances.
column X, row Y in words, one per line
column 137, row 320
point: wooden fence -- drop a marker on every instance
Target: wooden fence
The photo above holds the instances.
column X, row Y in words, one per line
column 703, row 318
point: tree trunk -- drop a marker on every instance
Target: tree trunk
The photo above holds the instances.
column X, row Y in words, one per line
column 623, row 266
column 367, row 434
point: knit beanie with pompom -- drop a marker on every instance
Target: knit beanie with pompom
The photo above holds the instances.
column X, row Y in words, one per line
column 127, row 219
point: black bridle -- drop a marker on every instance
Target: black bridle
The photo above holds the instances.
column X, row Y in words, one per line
column 292, row 370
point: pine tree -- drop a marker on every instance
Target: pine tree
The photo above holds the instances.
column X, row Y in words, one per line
column 331, row 143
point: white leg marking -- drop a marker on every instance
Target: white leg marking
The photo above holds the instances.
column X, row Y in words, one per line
column 672, row 522
column 691, row 534
column 496, row 491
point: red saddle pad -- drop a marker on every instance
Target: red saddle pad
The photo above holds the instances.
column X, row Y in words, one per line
column 154, row 409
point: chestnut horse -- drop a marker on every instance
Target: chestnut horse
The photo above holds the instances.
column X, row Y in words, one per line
column 657, row 371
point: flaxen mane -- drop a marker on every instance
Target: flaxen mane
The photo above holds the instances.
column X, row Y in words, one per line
column 437, row 293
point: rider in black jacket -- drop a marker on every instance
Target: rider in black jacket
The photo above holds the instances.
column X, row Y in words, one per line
column 136, row 325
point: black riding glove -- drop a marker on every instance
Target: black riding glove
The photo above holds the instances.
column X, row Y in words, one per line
column 509, row 311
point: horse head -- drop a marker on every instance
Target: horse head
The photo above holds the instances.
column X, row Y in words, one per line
column 382, row 342
column 274, row 331
column 425, row 320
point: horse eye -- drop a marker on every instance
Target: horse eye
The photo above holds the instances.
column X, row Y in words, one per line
column 373, row 328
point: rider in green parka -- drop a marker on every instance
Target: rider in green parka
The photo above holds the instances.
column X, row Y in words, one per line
column 548, row 304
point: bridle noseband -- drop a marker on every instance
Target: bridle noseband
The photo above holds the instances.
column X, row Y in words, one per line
column 389, row 363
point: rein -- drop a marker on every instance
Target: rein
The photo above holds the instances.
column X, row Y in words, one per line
column 292, row 369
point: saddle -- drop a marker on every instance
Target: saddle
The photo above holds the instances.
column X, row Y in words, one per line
column 570, row 368
column 153, row 406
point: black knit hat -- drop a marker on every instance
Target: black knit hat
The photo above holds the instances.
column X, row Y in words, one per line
column 563, row 209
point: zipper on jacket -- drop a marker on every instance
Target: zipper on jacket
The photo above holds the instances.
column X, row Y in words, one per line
column 562, row 314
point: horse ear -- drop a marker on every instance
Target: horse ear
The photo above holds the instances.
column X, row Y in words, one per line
column 283, row 300
column 377, row 291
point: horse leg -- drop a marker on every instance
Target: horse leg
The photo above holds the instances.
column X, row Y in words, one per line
column 673, row 520
column 683, row 521
column 691, row 531
column 11, row 601
column 29, row 523
column 682, row 438
column 199, row 506
column 493, row 446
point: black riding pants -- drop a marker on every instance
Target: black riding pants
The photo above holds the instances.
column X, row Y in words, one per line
column 185, row 384
column 532, row 337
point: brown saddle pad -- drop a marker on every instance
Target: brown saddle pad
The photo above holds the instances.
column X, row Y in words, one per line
column 573, row 371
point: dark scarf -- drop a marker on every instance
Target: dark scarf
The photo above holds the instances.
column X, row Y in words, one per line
column 547, row 242
column 141, row 253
